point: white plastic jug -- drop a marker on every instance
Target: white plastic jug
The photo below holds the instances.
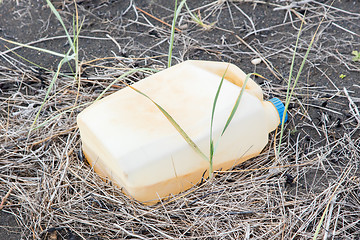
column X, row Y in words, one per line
column 128, row 140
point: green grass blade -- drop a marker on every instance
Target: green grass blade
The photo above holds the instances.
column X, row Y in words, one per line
column 211, row 158
column 57, row 15
column 37, row 65
column 58, row 115
column 177, row 11
column 318, row 227
column 195, row 18
column 166, row 114
column 175, row 124
column 27, row 60
column 292, row 64
column 100, row 95
column 172, row 36
column 38, row 49
column 288, row 97
column 122, row 77
column 236, row 105
column 47, row 93
column 215, row 101
column 212, row 150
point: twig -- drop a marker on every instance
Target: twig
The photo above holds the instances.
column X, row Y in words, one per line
column 259, row 55
column 347, row 30
column 353, row 108
column 292, row 5
column 152, row 16
column 266, row 168
column 250, row 20
column 330, row 201
column 329, row 219
column 5, row 198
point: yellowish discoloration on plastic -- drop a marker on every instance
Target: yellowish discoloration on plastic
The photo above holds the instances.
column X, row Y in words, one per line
column 129, row 141
column 151, row 194
column 233, row 74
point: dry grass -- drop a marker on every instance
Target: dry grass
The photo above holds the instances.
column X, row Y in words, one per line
column 51, row 190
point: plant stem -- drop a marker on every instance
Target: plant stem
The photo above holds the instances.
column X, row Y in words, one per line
column 176, row 14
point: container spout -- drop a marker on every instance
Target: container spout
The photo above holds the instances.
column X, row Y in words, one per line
column 275, row 111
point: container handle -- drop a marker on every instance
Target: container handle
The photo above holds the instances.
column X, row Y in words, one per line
column 233, row 74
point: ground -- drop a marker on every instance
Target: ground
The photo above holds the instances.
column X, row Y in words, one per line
column 47, row 189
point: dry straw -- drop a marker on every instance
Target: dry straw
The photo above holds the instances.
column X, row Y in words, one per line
column 310, row 191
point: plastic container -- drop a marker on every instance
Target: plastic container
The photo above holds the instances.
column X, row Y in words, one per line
column 127, row 139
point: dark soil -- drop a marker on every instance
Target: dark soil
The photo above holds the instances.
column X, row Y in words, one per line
column 320, row 91
column 9, row 227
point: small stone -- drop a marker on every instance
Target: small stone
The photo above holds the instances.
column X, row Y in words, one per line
column 183, row 26
column 256, row 61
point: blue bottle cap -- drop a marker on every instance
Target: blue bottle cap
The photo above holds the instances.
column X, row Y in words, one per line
column 280, row 108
